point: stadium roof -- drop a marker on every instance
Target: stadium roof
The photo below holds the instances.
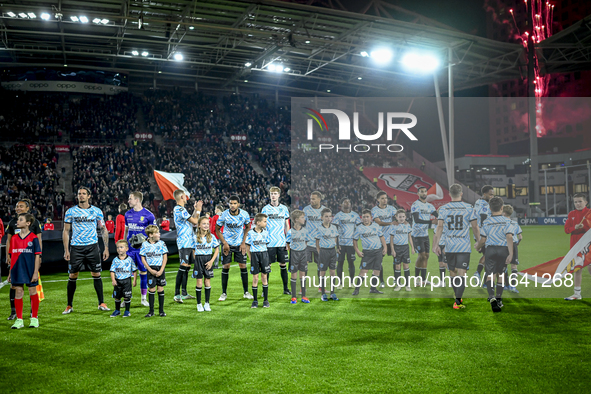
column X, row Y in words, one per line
column 217, row 38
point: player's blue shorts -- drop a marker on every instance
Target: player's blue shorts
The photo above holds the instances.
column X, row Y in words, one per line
column 135, row 255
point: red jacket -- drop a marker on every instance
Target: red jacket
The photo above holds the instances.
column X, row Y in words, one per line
column 1, row 228
column 212, row 222
column 110, row 225
column 48, row 227
column 119, row 227
column 165, row 225
column 575, row 217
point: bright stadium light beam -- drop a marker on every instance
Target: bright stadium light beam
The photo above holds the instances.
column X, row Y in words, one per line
column 96, row 20
column 83, row 19
column 32, row 15
column 134, row 53
column 11, row 14
column 178, row 56
column 422, row 63
column 271, row 67
column 74, row 18
column 45, row 16
column 382, row 55
column 279, row 68
column 145, row 53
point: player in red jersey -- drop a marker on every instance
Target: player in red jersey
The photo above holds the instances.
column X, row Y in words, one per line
column 576, row 226
column 110, row 224
column 120, row 223
column 25, row 259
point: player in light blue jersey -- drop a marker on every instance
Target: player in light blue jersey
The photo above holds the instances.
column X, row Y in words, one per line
column 277, row 226
column 482, row 211
column 497, row 235
column 517, row 237
column 297, row 238
column 421, row 212
column 256, row 248
column 154, row 254
column 398, row 235
column 455, row 220
column 136, row 221
column 122, row 269
column 83, row 220
column 346, row 221
column 327, row 242
column 236, row 224
column 185, row 241
column 383, row 214
column 374, row 250
column 313, row 220
column 206, row 251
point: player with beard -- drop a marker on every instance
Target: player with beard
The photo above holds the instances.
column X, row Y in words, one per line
column 136, row 221
column 421, row 212
column 346, row 221
column 482, row 211
column 83, row 219
column 277, row 227
column 313, row 220
column 383, row 215
column 236, row 224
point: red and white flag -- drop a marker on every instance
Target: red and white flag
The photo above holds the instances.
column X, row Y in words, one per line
column 434, row 193
column 168, row 182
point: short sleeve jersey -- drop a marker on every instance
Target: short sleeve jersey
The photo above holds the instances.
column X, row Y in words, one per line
column 495, row 228
column 456, row 217
column 136, row 222
column 233, row 226
column 399, row 232
column 369, row 235
column 154, row 253
column 517, row 230
column 257, row 241
column 313, row 220
column 298, row 239
column 425, row 209
column 204, row 248
column 481, row 207
column 276, row 217
column 184, row 228
column 326, row 236
column 384, row 214
column 346, row 223
column 123, row 269
column 84, row 224
column 24, row 250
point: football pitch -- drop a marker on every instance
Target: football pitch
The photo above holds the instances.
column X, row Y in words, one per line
column 354, row 345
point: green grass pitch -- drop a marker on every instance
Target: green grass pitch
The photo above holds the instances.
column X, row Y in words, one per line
column 355, row 345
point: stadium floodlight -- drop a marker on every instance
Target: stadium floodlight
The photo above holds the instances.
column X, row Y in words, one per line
column 420, row 62
column 246, row 80
column 382, row 55
column 11, row 14
column 307, row 41
column 96, row 20
column 104, row 21
column 328, row 90
column 32, row 15
column 364, row 54
column 359, row 78
column 45, row 16
column 144, row 53
column 74, row 18
column 287, row 69
column 247, row 64
column 178, row 56
column 135, row 53
column 83, row 19
column 191, row 27
column 279, row 68
column 22, row 15
column 271, row 67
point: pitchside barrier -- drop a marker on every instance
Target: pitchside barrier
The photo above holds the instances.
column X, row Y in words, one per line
column 544, row 221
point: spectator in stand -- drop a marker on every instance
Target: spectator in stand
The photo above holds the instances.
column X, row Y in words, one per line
column 110, row 225
column 120, row 222
column 165, row 225
column 48, row 226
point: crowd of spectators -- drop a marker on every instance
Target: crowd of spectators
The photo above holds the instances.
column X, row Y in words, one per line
column 30, row 173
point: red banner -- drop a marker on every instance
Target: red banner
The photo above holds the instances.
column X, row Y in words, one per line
column 62, row 148
column 403, row 183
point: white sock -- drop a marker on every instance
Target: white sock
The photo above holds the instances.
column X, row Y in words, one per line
column 577, row 291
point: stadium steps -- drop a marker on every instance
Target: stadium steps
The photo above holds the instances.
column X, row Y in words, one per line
column 257, row 166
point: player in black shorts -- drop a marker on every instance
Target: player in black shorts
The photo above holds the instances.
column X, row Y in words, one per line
column 206, row 253
column 154, row 254
column 22, row 207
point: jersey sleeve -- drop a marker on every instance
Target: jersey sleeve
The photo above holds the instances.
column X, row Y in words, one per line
column 356, row 234
column 36, row 227
column 114, row 265
column 214, row 242
column 221, row 220
column 285, row 213
column 133, row 266
column 36, row 246
column 100, row 218
column 382, row 233
column 442, row 214
column 67, row 218
column 152, row 218
column 288, row 236
column 246, row 218
column 414, row 208
column 248, row 238
column 143, row 249
column 184, row 214
column 472, row 215
column 483, row 231
column 316, row 234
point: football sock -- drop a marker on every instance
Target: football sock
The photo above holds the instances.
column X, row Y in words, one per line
column 151, row 296
column 198, row 291
column 265, row 292
column 441, row 273
column 127, row 305
column 323, row 284
column 161, row 301
column 144, row 283
column 490, row 288
column 178, row 282
column 244, row 275
column 480, row 268
column 381, row 276
column 255, row 291
column 424, row 274
column 417, row 271
column 283, row 276
column 207, row 294
column 71, row 290
column 371, row 280
column 98, row 287
column 34, row 305
column 185, row 278
column 460, row 289
column 225, row 274
column 407, row 276
column 118, row 305
column 12, row 306
column 515, row 275
column 18, row 305
column 294, row 287
column 578, row 291
column 303, row 287
column 500, row 288
column 454, row 285
column 352, row 269
column 396, row 275
column 340, row 268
